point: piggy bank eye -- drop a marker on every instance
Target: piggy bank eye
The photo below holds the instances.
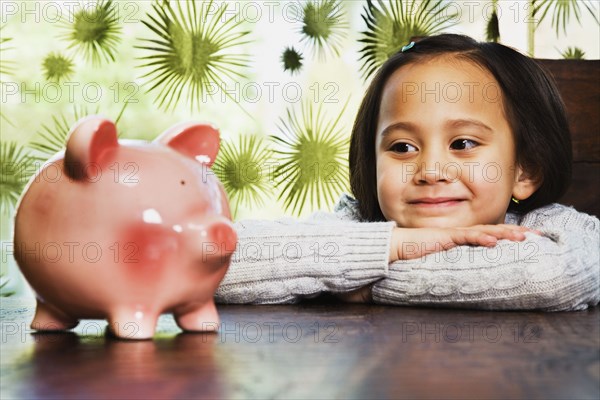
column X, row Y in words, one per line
column 182, row 182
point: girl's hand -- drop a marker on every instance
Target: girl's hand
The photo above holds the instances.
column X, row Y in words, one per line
column 409, row 243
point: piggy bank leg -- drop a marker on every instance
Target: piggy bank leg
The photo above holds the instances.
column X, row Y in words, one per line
column 202, row 317
column 132, row 324
column 49, row 318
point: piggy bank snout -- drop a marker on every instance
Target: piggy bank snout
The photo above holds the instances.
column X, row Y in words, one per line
column 223, row 235
column 216, row 239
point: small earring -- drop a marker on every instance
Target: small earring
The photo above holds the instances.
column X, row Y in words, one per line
column 515, row 200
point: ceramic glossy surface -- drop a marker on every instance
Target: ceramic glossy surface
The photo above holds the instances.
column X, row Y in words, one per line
column 126, row 230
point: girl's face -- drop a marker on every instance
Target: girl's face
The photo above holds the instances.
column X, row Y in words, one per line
column 444, row 149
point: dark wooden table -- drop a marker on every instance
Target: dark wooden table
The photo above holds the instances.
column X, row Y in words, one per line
column 319, row 350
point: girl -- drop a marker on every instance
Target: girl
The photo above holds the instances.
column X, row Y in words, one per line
column 458, row 153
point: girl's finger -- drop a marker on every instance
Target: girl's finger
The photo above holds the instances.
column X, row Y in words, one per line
column 503, row 231
column 520, row 228
column 476, row 237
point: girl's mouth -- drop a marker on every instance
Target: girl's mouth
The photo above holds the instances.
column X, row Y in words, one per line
column 436, row 201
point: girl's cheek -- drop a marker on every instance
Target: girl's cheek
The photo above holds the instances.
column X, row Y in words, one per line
column 389, row 189
column 382, row 188
column 481, row 173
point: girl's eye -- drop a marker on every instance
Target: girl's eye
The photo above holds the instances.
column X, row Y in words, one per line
column 403, row 148
column 463, row 144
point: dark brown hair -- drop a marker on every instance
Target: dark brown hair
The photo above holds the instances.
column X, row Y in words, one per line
column 532, row 105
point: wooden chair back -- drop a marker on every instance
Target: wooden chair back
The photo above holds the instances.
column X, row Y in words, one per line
column 579, row 85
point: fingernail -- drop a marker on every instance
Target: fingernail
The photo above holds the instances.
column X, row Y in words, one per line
column 521, row 236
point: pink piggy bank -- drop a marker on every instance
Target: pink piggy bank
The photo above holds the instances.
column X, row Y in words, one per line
column 126, row 230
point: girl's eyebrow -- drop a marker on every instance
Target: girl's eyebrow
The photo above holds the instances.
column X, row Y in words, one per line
column 399, row 126
column 464, row 122
column 451, row 123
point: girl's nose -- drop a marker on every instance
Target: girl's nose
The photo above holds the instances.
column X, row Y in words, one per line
column 434, row 168
column 429, row 173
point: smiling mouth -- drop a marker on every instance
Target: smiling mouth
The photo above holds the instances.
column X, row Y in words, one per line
column 436, row 202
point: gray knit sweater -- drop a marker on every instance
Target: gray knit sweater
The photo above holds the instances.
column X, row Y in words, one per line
column 286, row 260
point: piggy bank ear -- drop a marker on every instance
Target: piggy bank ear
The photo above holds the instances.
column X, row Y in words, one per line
column 87, row 142
column 197, row 141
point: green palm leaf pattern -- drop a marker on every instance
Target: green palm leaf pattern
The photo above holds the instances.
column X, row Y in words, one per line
column 573, row 53
column 4, row 280
column 492, row 29
column 57, row 67
column 239, row 166
column 17, row 167
column 192, row 51
column 391, row 26
column 292, row 60
column 94, row 31
column 313, row 159
column 562, row 11
column 6, row 66
column 323, row 26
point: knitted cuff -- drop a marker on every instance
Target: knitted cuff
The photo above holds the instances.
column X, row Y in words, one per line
column 281, row 261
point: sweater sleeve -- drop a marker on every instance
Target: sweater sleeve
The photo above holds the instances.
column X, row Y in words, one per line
column 557, row 271
column 286, row 260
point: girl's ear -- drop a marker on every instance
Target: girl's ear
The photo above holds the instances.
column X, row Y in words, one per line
column 525, row 184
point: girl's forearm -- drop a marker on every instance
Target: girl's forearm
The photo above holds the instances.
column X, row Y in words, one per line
column 287, row 260
column 553, row 273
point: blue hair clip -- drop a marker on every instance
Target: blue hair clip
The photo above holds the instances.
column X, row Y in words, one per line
column 408, row 47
